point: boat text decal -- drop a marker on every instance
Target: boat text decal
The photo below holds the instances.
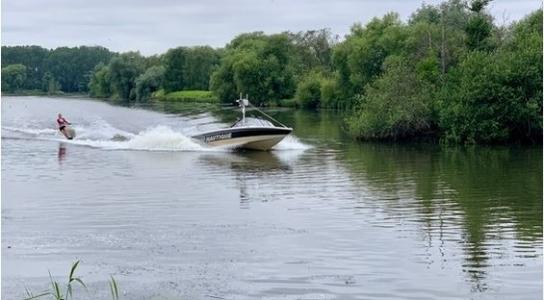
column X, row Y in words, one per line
column 218, row 137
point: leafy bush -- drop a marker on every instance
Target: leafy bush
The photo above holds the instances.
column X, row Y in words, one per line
column 392, row 107
column 308, row 92
column 149, row 82
column 497, row 97
column 330, row 96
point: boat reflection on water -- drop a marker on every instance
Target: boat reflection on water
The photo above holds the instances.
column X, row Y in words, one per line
column 250, row 167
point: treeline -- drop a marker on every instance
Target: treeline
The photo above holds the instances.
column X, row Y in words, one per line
column 132, row 76
column 449, row 72
column 266, row 67
column 36, row 68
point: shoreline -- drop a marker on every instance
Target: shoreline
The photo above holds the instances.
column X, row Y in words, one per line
column 430, row 138
column 26, row 93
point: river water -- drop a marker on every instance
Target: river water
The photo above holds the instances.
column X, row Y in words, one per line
column 319, row 217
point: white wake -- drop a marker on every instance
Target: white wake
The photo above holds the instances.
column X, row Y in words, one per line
column 102, row 135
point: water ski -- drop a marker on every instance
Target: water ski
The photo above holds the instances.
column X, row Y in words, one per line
column 119, row 138
column 69, row 132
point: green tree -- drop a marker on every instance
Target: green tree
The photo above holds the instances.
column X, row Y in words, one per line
column 72, row 66
column 479, row 26
column 311, row 50
column 149, row 82
column 222, row 80
column 200, row 62
column 392, row 107
column 427, row 13
column 360, row 57
column 440, row 29
column 69, row 66
column 49, row 84
column 13, row 77
column 124, row 70
column 308, row 93
column 174, row 75
column 330, row 96
column 33, row 57
column 245, row 40
column 257, row 65
column 495, row 98
column 100, row 83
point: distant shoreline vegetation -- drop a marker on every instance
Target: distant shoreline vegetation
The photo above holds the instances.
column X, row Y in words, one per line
column 449, row 73
column 186, row 96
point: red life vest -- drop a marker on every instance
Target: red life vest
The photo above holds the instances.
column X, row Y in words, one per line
column 62, row 121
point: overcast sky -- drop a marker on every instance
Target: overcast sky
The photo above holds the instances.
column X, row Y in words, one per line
column 153, row 26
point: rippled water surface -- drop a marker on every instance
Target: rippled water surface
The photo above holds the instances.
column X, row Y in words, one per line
column 319, row 217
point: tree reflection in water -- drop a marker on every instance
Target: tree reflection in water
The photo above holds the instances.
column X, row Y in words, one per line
column 490, row 193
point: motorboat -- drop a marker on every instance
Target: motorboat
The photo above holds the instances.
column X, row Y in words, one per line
column 247, row 133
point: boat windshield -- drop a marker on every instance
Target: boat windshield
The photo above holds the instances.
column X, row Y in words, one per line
column 253, row 122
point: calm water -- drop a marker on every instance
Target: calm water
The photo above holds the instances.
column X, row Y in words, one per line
column 320, row 217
